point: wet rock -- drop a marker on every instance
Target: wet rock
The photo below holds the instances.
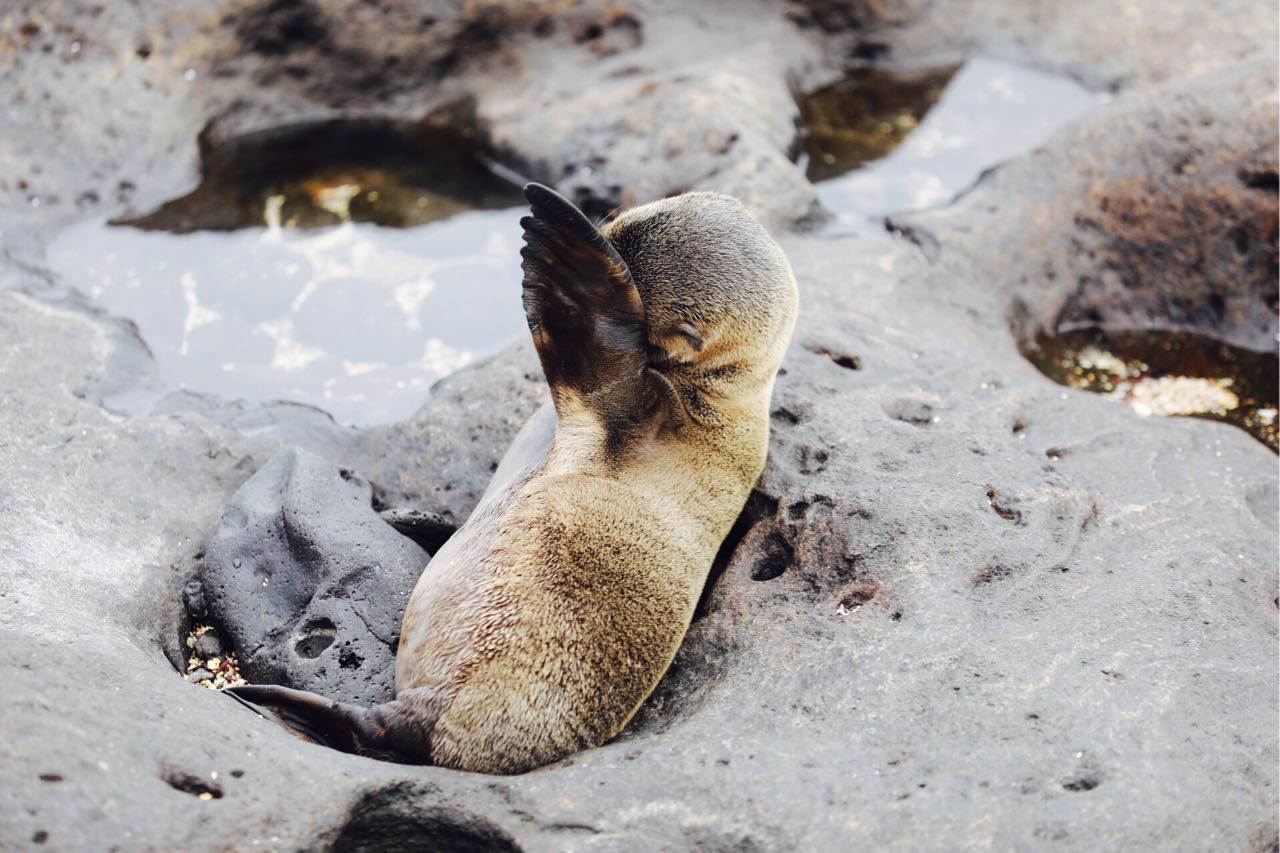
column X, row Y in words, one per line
column 274, row 423
column 208, row 645
column 308, row 582
column 1158, row 213
column 727, row 116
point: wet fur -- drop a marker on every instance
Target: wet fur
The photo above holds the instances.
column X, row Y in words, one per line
column 549, row 617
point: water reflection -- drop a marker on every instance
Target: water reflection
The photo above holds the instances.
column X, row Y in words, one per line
column 315, row 174
column 865, row 116
column 356, row 319
column 989, row 112
column 1167, row 373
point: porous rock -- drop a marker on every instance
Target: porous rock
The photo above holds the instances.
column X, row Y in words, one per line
column 1158, row 214
column 308, row 583
column 965, row 607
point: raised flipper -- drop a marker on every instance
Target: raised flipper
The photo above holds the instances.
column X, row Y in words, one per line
column 383, row 732
column 585, row 314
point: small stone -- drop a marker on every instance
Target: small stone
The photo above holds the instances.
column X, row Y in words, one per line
column 209, row 645
column 199, row 675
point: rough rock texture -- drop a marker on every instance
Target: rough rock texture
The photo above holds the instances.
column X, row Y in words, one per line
column 1160, row 214
column 442, row 457
column 965, row 607
column 1119, row 45
column 308, row 583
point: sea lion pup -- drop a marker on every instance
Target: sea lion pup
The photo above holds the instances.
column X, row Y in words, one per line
column 547, row 619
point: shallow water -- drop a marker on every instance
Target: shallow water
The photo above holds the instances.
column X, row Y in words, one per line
column 265, row 282
column 864, row 116
column 940, row 141
column 361, row 321
column 321, row 173
column 1167, row 373
column 356, row 319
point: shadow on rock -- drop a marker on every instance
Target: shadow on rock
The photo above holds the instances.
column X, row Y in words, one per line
column 394, row 818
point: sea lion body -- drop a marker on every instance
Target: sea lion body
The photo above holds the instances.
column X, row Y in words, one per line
column 540, row 627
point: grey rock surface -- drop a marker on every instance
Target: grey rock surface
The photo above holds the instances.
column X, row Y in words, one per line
column 308, row 583
column 965, row 608
column 1159, row 214
column 1120, row 45
column 441, row 459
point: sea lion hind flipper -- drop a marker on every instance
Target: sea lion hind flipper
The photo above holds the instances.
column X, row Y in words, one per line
column 585, row 314
column 338, row 725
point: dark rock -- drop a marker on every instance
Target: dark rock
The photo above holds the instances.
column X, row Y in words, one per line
column 835, row 16
column 208, row 645
column 442, row 457
column 279, row 27
column 428, row 529
column 193, row 599
column 301, row 570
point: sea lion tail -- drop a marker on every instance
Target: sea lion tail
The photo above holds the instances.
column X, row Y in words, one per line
column 386, row 731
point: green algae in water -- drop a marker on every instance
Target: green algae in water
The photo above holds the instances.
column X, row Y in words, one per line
column 1168, row 373
column 315, row 174
column 865, row 116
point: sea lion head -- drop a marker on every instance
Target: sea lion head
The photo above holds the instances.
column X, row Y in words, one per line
column 719, row 297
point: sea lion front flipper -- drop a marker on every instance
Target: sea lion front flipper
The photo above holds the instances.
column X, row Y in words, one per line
column 338, row 725
column 585, row 314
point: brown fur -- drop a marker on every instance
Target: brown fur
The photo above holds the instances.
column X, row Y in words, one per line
column 544, row 623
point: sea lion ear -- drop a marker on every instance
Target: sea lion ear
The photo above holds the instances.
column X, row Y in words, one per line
column 585, row 314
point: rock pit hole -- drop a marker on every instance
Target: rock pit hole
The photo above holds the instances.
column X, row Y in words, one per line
column 882, row 142
column 189, row 783
column 316, row 636
column 864, row 116
column 394, row 818
column 1167, row 373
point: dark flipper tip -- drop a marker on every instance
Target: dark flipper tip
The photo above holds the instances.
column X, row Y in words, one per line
column 349, row 728
column 554, row 209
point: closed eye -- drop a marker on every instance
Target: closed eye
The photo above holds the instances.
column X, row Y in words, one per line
column 660, row 359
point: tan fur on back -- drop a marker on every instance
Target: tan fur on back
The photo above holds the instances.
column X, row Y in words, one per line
column 544, row 623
